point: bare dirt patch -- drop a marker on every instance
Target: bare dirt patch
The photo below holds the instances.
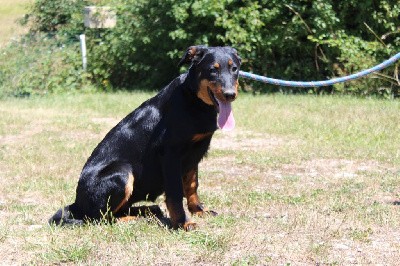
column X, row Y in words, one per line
column 245, row 140
column 315, row 167
column 27, row 132
column 330, row 230
column 334, row 168
column 106, row 121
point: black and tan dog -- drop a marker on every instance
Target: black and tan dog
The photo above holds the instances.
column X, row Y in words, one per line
column 157, row 147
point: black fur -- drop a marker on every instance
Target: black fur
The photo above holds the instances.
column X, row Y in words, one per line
column 156, row 144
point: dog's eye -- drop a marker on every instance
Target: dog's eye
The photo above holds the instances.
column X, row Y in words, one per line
column 214, row 71
column 234, row 69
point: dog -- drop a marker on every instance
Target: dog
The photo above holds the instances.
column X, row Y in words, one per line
column 156, row 149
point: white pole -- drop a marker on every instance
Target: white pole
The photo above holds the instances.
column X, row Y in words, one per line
column 82, row 39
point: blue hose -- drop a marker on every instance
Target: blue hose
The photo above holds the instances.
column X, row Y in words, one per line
column 305, row 84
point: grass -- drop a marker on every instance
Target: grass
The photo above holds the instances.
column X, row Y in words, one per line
column 10, row 12
column 302, row 180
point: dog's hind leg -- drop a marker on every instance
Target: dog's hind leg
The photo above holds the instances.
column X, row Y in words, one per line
column 105, row 194
column 128, row 194
column 190, row 185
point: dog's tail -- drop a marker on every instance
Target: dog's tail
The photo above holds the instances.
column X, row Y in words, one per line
column 66, row 216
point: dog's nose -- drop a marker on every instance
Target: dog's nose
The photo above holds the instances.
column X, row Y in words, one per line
column 230, row 95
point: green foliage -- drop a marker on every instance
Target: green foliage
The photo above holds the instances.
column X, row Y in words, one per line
column 307, row 40
column 294, row 40
column 363, row 40
column 62, row 16
column 39, row 65
column 48, row 59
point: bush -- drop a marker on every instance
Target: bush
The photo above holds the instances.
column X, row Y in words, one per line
column 38, row 65
column 48, row 59
column 295, row 40
column 308, row 40
column 57, row 16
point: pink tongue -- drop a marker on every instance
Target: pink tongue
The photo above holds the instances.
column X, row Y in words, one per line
column 226, row 121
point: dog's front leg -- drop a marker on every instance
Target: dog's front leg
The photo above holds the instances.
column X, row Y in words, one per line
column 174, row 191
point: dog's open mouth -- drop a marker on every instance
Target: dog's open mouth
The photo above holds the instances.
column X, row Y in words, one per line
column 213, row 99
column 226, row 121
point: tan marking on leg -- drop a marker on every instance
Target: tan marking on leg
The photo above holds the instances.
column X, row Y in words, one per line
column 128, row 192
column 176, row 213
column 190, row 185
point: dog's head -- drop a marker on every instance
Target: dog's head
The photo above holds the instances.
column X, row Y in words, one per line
column 216, row 70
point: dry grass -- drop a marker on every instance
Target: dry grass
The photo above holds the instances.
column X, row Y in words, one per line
column 302, row 181
column 10, row 12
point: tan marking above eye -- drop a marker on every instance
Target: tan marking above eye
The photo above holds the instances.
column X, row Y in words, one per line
column 216, row 65
column 230, row 62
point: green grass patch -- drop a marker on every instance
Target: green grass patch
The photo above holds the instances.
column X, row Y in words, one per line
column 10, row 12
column 298, row 175
column 76, row 253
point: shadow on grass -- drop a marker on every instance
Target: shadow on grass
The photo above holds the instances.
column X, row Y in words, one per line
column 150, row 212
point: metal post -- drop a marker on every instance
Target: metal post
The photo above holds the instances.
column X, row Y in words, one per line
column 82, row 39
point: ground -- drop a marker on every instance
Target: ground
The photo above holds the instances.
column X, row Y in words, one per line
column 301, row 180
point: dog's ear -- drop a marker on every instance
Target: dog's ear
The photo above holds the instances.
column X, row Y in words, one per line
column 193, row 54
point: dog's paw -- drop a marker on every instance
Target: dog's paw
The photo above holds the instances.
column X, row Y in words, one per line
column 126, row 219
column 189, row 226
column 200, row 210
column 205, row 213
